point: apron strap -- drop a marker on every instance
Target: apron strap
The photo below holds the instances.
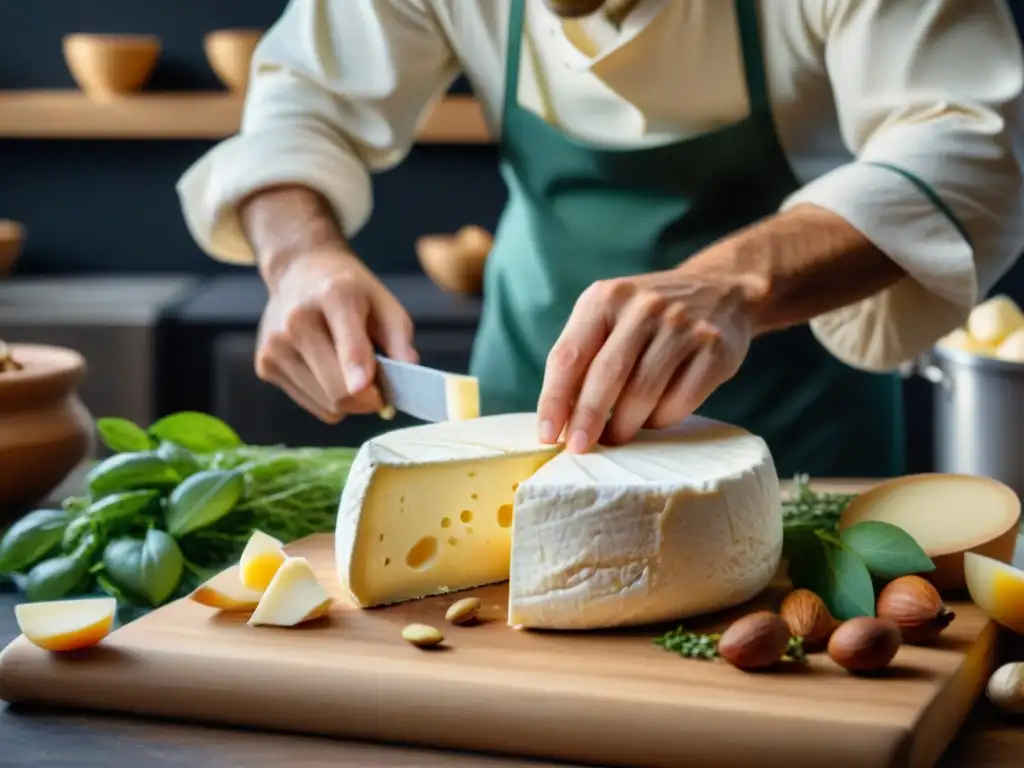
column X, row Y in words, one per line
column 753, row 55
column 515, row 47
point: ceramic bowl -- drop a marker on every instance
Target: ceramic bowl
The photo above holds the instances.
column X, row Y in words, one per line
column 455, row 263
column 12, row 237
column 45, row 430
column 107, row 66
column 229, row 53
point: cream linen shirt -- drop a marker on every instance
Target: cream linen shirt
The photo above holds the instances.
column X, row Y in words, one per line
column 902, row 117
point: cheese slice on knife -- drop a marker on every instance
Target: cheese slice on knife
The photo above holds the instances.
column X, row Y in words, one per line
column 677, row 523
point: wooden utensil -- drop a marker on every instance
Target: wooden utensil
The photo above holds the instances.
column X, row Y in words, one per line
column 608, row 698
column 229, row 53
column 108, row 66
column 456, row 262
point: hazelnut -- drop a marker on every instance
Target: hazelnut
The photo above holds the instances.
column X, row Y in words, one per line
column 915, row 606
column 756, row 641
column 864, row 644
column 809, row 618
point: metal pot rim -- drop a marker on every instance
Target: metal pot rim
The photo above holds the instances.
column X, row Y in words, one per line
column 966, row 359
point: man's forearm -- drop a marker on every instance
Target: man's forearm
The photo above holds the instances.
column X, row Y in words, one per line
column 799, row 264
column 286, row 221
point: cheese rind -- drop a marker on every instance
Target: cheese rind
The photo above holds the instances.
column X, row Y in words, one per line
column 678, row 522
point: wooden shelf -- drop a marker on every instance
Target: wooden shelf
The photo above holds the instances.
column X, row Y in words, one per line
column 60, row 114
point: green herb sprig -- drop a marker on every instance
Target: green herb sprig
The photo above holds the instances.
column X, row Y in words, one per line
column 175, row 504
column 694, row 645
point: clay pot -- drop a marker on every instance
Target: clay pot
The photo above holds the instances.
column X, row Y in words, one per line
column 45, row 430
column 108, row 66
column 12, row 236
column 229, row 53
column 455, row 263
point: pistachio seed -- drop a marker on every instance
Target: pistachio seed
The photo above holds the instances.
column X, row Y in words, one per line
column 463, row 611
column 422, row 635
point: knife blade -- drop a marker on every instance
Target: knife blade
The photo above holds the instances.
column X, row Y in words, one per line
column 427, row 393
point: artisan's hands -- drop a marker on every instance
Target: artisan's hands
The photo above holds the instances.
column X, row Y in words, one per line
column 649, row 348
column 317, row 334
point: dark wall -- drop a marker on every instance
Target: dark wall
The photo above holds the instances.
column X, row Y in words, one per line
column 96, row 206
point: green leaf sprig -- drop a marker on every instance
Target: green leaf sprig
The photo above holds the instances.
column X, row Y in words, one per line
column 173, row 505
column 839, row 568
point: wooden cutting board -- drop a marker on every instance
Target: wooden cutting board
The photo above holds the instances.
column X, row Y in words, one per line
column 610, row 698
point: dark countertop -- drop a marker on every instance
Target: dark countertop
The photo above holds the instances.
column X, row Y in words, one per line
column 32, row 736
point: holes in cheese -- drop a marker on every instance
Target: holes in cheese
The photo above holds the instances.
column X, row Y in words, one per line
column 421, row 555
column 466, row 516
column 997, row 588
column 435, row 500
column 947, row 515
column 66, row 625
column 226, row 592
column 677, row 523
column 294, row 596
column 260, row 559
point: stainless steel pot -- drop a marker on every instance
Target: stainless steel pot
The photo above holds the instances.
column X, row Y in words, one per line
column 978, row 415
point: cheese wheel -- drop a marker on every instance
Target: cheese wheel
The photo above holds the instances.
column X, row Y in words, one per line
column 679, row 522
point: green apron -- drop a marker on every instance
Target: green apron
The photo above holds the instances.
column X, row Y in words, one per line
column 578, row 213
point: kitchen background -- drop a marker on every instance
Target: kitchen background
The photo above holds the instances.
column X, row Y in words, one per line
column 108, row 267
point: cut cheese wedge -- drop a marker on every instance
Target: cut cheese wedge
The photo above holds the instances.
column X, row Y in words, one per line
column 680, row 522
column 261, row 558
column 226, row 592
column 997, row 588
column 993, row 320
column 947, row 514
column 66, row 625
column 294, row 596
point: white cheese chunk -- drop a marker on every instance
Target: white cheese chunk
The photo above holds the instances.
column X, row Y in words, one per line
column 677, row 523
column 294, row 596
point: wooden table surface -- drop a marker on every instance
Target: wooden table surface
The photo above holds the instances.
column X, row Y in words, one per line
column 33, row 736
column 45, row 737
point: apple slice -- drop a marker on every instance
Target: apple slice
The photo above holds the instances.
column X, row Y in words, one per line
column 260, row 560
column 947, row 514
column 66, row 625
column 294, row 596
column 997, row 588
column 226, row 592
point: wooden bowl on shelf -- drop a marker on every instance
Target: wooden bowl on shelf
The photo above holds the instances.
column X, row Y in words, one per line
column 108, row 66
column 45, row 430
column 229, row 53
column 455, row 263
column 12, row 237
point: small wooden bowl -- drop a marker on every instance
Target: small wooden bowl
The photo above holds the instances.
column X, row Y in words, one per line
column 12, row 237
column 108, row 66
column 455, row 263
column 229, row 53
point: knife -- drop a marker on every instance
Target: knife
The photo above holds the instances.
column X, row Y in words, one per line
column 427, row 393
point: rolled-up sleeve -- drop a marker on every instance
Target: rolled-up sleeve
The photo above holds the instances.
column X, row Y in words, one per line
column 338, row 90
column 928, row 95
